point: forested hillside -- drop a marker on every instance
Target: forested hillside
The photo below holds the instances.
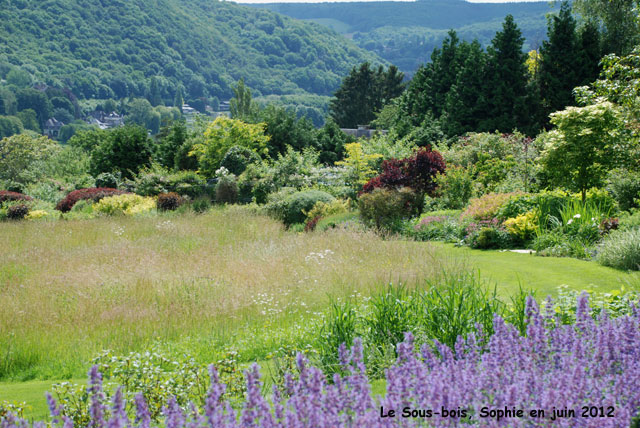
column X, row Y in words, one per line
column 406, row 33
column 116, row 48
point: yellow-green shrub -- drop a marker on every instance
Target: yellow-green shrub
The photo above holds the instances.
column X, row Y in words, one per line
column 523, row 226
column 128, row 204
column 37, row 214
column 325, row 209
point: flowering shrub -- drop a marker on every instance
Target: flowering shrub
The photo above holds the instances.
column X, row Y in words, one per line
column 437, row 228
column 94, row 194
column 554, row 367
column 7, row 196
column 127, row 204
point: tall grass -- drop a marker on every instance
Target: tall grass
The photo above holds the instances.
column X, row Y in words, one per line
column 196, row 282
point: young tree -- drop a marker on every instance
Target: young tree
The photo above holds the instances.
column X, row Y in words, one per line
column 22, row 156
column 125, row 150
column 585, row 145
column 618, row 20
column 224, row 133
column 242, row 107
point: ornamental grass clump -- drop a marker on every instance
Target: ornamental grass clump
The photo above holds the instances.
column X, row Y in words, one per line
column 585, row 374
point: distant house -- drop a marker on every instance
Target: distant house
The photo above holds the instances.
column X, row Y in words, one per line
column 224, row 106
column 52, row 128
column 363, row 131
column 189, row 113
column 104, row 120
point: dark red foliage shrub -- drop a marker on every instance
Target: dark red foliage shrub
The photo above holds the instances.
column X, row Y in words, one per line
column 310, row 226
column 169, row 201
column 417, row 172
column 608, row 224
column 94, row 194
column 17, row 212
column 6, row 196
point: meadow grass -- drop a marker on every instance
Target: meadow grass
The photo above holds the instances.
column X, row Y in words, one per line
column 72, row 288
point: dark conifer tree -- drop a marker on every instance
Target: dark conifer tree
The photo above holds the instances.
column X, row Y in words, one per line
column 590, row 47
column 506, row 83
column 559, row 62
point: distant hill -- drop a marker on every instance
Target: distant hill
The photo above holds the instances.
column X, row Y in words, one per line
column 405, row 33
column 113, row 48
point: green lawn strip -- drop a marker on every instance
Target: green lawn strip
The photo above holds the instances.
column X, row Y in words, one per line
column 543, row 274
column 33, row 394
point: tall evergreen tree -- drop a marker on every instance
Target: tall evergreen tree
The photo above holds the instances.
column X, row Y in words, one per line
column 559, row 59
column 463, row 108
column 363, row 93
column 589, row 41
column 154, row 93
column 506, row 84
column 242, row 106
column 178, row 100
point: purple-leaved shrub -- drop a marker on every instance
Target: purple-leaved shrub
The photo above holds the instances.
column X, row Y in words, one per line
column 590, row 364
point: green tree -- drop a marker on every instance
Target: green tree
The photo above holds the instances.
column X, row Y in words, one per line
column 155, row 98
column 506, row 88
column 224, row 133
column 590, row 54
column 585, row 145
column 363, row 93
column 88, row 140
column 22, row 157
column 559, row 62
column 29, row 120
column 125, row 150
column 618, row 20
column 19, row 78
column 285, row 129
column 168, row 145
column 10, row 125
column 178, row 100
column 360, row 165
column 241, row 105
column 331, row 142
column 35, row 100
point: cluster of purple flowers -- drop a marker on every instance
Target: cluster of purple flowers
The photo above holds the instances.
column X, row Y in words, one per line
column 430, row 219
column 559, row 369
column 493, row 223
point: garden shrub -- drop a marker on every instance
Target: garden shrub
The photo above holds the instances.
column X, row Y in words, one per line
column 517, row 205
column 126, row 204
column 621, row 250
column 324, row 209
column 455, row 187
column 523, row 226
column 237, row 158
column 348, row 220
column 94, row 194
column 8, row 196
column 227, row 189
column 37, row 214
column 310, row 224
column 201, row 205
column 486, row 238
column 156, row 179
column 298, row 203
column 386, row 208
column 17, row 211
column 437, row 228
column 629, row 220
column 275, row 202
column 107, row 179
column 418, row 172
column 487, row 206
column 169, row 201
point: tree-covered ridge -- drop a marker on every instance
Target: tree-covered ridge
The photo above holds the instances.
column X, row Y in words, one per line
column 405, row 33
column 113, row 49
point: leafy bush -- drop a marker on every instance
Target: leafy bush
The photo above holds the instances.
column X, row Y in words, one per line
column 37, row 214
column 489, row 237
column 296, row 205
column 624, row 186
column 107, row 179
column 455, row 187
column 93, row 194
column 487, row 206
column 621, row 250
column 7, row 196
column 629, row 220
column 386, row 208
column 437, row 228
column 237, row 158
column 348, row 220
column 17, row 212
column 324, row 209
column 201, row 205
column 126, row 204
column 156, row 179
column 523, row 226
column 227, row 189
column 169, row 201
column 418, row 172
